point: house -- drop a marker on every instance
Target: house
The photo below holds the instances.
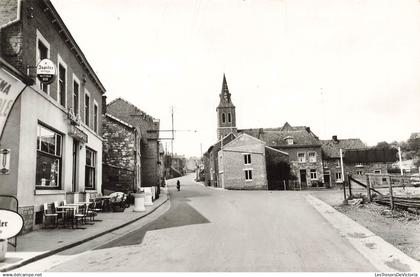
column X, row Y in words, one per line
column 302, row 146
column 331, row 158
column 148, row 133
column 52, row 136
column 121, row 156
column 243, row 163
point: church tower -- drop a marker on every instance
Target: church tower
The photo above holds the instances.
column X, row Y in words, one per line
column 226, row 117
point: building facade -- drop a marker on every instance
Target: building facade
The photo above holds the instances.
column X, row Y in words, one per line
column 121, row 156
column 148, row 132
column 53, row 131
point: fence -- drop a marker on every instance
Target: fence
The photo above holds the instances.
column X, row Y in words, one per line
column 400, row 190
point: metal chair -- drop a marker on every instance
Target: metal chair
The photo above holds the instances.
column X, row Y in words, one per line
column 80, row 215
column 49, row 215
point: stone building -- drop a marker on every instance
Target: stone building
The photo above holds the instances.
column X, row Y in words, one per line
column 148, row 133
column 53, row 132
column 121, row 156
column 331, row 158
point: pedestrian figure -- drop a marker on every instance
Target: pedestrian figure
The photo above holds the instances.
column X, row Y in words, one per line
column 178, row 185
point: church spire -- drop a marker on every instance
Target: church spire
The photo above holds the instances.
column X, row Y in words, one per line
column 225, row 96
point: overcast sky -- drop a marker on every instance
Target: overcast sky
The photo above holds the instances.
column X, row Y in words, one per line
column 347, row 68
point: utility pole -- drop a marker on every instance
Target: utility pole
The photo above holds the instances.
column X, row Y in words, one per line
column 172, row 140
column 399, row 156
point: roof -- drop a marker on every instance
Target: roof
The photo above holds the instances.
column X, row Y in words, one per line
column 371, row 155
column 275, row 137
column 226, row 139
column 225, row 96
column 332, row 148
column 119, row 121
column 68, row 39
column 136, row 109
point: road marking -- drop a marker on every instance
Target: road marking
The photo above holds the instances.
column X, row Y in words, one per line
column 381, row 254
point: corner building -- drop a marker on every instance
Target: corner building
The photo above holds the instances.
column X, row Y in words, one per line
column 53, row 131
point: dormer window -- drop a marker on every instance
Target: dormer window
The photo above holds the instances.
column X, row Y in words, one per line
column 289, row 140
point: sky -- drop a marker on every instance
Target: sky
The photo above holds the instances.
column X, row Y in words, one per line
column 349, row 68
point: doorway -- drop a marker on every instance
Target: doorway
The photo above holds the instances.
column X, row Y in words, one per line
column 303, row 177
column 327, row 179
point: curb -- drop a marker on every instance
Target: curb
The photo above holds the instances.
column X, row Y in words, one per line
column 71, row 245
column 381, row 254
column 209, row 187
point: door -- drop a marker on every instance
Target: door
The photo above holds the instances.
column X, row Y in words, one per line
column 327, row 179
column 75, row 165
column 303, row 177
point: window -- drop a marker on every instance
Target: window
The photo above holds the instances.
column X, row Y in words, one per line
column 247, row 158
column 42, row 52
column 76, row 91
column 338, row 163
column 377, row 171
column 48, row 158
column 90, row 170
column 223, row 117
column 312, row 157
column 338, row 176
column 95, row 118
column 229, row 117
column 289, row 140
column 248, row 175
column 62, row 86
column 313, row 174
column 359, row 172
column 87, row 109
column 301, row 157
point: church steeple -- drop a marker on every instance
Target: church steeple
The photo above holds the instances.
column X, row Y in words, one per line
column 226, row 117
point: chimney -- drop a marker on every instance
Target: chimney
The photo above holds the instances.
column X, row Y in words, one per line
column 103, row 104
column 335, row 139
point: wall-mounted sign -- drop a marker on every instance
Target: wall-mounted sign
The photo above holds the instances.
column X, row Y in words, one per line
column 4, row 161
column 10, row 87
column 78, row 134
column 10, row 224
column 46, row 71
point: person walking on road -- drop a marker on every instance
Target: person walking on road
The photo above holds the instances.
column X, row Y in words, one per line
column 178, row 185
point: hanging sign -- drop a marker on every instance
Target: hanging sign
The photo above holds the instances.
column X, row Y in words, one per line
column 11, row 223
column 45, row 71
column 4, row 161
column 10, row 87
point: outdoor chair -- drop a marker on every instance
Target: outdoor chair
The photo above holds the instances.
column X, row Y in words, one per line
column 59, row 212
column 68, row 218
column 80, row 215
column 90, row 212
column 49, row 217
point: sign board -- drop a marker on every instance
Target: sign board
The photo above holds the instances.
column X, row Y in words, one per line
column 10, row 224
column 4, row 161
column 46, row 71
column 10, row 88
column 78, row 134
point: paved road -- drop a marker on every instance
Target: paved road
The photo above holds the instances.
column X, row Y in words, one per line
column 214, row 230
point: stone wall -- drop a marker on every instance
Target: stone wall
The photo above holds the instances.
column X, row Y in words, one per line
column 28, row 218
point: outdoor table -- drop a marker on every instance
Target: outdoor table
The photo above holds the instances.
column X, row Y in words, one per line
column 66, row 218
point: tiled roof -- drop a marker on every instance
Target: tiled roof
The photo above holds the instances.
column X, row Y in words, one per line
column 332, row 148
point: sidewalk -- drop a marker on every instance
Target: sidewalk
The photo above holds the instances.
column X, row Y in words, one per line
column 46, row 242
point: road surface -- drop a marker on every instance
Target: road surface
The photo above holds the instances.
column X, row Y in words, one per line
column 207, row 229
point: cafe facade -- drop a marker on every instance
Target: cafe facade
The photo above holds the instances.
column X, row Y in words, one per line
column 52, row 136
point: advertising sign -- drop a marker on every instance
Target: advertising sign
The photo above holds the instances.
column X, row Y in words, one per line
column 10, row 87
column 46, row 71
column 10, row 224
column 78, row 134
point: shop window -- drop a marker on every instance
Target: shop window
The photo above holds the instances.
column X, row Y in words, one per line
column 90, row 169
column 49, row 159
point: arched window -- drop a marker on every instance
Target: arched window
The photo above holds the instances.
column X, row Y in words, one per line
column 223, row 118
column 229, row 117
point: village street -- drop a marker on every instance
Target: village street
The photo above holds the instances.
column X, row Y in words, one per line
column 217, row 230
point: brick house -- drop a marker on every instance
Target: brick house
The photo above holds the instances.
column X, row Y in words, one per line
column 148, row 132
column 121, row 156
column 53, row 133
column 331, row 158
